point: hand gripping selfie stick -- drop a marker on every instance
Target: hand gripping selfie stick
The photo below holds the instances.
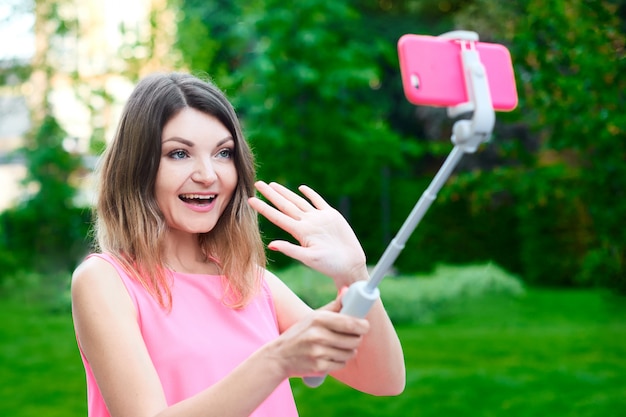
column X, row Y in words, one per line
column 467, row 135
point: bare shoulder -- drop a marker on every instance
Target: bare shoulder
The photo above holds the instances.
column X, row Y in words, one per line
column 274, row 282
column 289, row 307
column 281, row 293
column 92, row 267
column 96, row 284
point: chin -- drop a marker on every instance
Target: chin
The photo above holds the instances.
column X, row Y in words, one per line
column 199, row 230
column 193, row 229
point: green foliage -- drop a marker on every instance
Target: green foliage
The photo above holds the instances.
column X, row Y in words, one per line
column 49, row 167
column 43, row 240
column 570, row 199
column 14, row 73
column 453, row 232
column 416, row 300
column 442, row 294
column 578, row 49
column 527, row 219
column 45, row 232
column 307, row 98
column 48, row 291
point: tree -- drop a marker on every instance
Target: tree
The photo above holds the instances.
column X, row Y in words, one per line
column 45, row 231
column 570, row 55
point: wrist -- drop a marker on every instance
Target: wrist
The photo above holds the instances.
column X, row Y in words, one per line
column 272, row 361
column 357, row 274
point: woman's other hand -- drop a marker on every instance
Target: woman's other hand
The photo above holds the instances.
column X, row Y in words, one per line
column 322, row 342
column 327, row 242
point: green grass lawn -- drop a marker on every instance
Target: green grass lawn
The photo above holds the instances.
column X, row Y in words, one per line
column 549, row 353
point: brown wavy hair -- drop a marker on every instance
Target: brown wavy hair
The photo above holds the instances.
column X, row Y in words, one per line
column 128, row 222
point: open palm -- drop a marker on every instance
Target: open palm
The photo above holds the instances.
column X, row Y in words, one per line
column 327, row 243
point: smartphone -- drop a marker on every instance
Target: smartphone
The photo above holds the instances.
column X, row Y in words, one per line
column 432, row 72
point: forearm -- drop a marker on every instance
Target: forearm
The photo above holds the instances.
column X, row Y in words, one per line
column 378, row 368
column 238, row 394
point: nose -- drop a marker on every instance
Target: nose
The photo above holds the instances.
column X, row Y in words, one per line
column 204, row 172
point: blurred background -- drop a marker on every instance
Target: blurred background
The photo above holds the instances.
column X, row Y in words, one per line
column 509, row 296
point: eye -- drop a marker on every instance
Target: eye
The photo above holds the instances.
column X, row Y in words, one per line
column 178, row 154
column 226, row 153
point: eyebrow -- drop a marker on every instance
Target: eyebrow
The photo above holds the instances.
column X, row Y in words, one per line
column 191, row 144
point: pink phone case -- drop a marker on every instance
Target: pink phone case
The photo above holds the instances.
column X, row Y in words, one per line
column 436, row 64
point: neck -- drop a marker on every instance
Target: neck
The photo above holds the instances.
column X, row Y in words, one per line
column 184, row 254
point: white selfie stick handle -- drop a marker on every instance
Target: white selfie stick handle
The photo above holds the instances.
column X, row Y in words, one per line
column 356, row 303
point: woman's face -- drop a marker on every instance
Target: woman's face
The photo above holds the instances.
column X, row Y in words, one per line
column 197, row 176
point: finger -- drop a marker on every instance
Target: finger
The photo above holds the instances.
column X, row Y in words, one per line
column 289, row 249
column 341, row 323
column 300, row 253
column 314, row 197
column 294, row 198
column 280, row 219
column 279, row 199
column 339, row 356
column 323, row 341
column 331, row 361
column 336, row 304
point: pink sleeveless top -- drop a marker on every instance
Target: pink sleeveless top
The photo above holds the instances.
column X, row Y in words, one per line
column 200, row 340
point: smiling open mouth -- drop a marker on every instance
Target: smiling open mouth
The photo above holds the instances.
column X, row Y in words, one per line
column 201, row 200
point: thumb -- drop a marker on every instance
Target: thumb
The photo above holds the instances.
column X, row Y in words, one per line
column 335, row 305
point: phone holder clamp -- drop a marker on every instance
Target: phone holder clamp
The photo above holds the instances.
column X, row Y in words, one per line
column 469, row 134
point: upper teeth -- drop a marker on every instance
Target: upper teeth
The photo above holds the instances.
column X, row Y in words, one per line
column 197, row 196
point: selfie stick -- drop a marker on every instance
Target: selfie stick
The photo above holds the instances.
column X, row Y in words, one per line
column 467, row 135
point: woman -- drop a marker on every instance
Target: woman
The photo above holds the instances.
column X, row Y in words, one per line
column 176, row 314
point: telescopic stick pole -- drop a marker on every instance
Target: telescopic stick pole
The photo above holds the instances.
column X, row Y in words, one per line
column 467, row 135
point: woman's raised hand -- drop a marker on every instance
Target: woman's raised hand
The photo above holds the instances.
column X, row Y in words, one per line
column 327, row 243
